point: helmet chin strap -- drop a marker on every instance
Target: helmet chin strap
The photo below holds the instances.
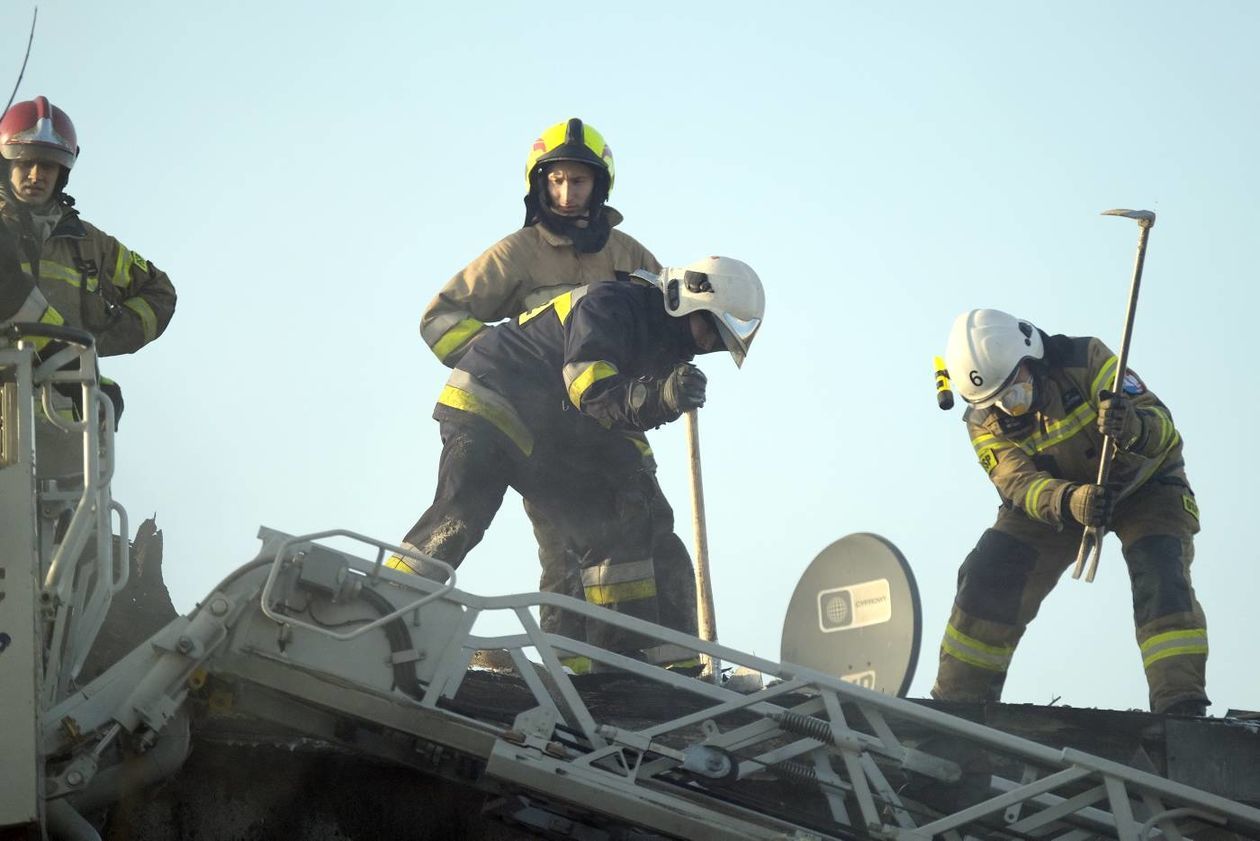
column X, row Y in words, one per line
column 1037, row 368
column 538, row 206
column 588, row 238
column 59, row 197
column 35, row 221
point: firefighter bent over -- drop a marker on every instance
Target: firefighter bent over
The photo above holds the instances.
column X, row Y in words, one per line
column 1039, row 408
column 553, row 404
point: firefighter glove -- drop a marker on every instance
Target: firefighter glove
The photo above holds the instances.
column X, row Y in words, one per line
column 683, row 389
column 1090, row 505
column 1118, row 420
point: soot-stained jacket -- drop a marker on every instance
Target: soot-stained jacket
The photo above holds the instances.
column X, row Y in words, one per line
column 1035, row 459
column 522, row 271
column 589, row 361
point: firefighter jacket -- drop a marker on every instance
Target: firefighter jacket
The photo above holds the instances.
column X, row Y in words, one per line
column 1034, row 460
column 588, row 361
column 91, row 281
column 519, row 272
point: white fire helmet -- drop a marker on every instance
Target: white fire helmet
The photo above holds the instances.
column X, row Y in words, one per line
column 725, row 287
column 984, row 351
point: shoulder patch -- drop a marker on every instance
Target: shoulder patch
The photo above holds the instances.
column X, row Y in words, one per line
column 140, row 262
column 988, row 459
column 1132, row 384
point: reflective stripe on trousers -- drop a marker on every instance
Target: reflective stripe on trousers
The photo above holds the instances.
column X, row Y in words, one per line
column 610, row 582
column 1174, row 644
column 993, row 658
column 465, row 392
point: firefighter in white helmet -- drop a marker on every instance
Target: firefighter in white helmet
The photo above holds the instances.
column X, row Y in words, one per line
column 552, row 404
column 569, row 238
column 1039, row 407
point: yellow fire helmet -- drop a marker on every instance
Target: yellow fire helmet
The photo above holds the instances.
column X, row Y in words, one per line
column 571, row 140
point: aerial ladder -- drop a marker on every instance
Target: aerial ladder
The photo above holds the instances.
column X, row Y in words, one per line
column 317, row 635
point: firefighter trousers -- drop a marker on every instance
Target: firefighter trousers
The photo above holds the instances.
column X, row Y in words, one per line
column 1016, row 564
column 596, row 503
column 561, row 571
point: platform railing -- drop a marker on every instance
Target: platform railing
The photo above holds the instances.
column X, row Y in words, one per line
column 81, row 566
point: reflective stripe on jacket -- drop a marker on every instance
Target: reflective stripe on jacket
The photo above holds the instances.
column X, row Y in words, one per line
column 30, row 305
column 1034, row 459
column 96, row 283
column 522, row 271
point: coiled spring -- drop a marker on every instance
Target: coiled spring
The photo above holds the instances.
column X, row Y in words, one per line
column 806, row 725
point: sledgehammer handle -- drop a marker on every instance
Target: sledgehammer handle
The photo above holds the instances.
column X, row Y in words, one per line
column 704, row 586
column 1091, row 540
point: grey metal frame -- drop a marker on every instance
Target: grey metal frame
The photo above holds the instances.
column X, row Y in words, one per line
column 77, row 589
column 846, row 734
column 54, row 594
column 275, row 630
column 21, row 666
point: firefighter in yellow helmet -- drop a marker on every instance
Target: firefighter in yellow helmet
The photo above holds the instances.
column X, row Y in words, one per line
column 569, row 239
column 1039, row 406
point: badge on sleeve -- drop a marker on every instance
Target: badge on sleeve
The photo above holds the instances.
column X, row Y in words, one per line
column 988, row 459
column 1133, row 384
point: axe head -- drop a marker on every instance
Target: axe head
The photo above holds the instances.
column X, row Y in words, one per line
column 1145, row 218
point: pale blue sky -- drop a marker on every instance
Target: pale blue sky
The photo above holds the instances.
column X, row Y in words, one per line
column 310, row 173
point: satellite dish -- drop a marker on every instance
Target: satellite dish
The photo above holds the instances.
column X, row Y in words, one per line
column 855, row 614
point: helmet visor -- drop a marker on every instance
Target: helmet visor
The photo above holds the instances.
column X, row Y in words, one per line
column 737, row 334
column 24, row 151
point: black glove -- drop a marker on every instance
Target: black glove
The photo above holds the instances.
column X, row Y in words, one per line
column 1118, row 420
column 683, row 389
column 113, row 391
column 1090, row 505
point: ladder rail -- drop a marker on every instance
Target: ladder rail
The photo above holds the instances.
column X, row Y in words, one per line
column 814, row 733
column 639, row 756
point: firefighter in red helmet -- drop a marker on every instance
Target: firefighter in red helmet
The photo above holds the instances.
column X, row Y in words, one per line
column 77, row 274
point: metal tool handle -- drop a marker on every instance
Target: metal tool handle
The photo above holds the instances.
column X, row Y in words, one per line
column 1091, row 549
column 1091, row 540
